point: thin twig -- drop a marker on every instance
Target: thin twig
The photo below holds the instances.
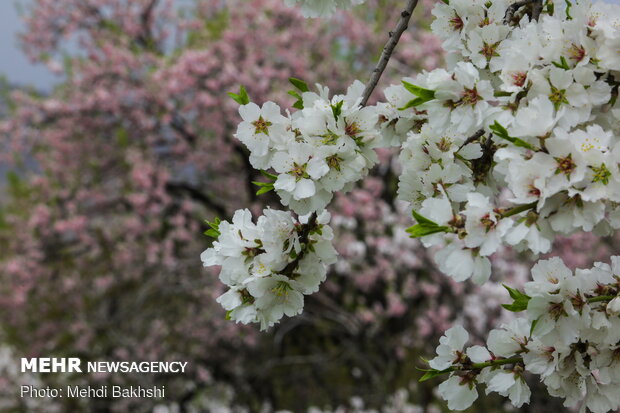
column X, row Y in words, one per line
column 197, row 195
column 473, row 138
column 402, row 25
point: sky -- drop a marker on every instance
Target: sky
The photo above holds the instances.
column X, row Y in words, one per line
column 14, row 65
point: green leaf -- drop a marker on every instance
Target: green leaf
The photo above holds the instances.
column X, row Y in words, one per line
column 337, row 109
column 242, row 98
column 299, row 103
column 501, row 132
column 264, row 190
column 299, row 84
column 533, row 326
column 432, row 373
column 262, row 184
column 498, row 129
column 520, row 300
column 422, row 230
column 268, row 175
column 514, row 293
column 265, row 186
column 424, row 227
column 419, row 91
column 413, row 103
column 214, row 232
column 423, row 95
column 563, row 63
column 516, row 307
column 421, row 219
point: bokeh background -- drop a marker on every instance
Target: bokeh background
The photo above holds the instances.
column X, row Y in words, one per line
column 117, row 143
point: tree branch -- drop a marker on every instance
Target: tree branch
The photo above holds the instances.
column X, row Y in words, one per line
column 197, row 195
column 473, row 138
column 512, row 9
column 405, row 16
column 178, row 124
column 303, row 239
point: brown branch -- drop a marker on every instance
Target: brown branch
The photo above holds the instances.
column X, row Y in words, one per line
column 405, row 16
column 512, row 9
column 303, row 239
column 145, row 38
column 178, row 124
column 473, row 138
column 197, row 195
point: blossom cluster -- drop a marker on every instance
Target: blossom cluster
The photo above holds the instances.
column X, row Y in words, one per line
column 322, row 8
column 570, row 339
column 271, row 264
column 516, row 141
column 325, row 147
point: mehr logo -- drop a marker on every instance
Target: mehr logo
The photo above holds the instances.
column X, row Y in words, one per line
column 51, row 365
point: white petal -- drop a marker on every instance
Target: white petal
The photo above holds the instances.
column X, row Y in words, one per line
column 285, row 182
column 478, row 354
column 304, row 189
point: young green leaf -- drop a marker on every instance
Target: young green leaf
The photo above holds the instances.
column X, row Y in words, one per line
column 432, row 373
column 419, row 91
column 501, row 132
column 520, row 300
column 265, row 186
column 299, row 103
column 268, row 175
column 214, row 231
column 563, row 63
column 421, row 219
column 242, row 98
column 424, row 227
column 337, row 109
column 423, row 95
column 422, row 230
column 299, row 84
column 264, row 190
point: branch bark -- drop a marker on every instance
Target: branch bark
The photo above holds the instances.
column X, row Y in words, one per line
column 303, row 239
column 388, row 49
column 197, row 195
column 512, row 9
